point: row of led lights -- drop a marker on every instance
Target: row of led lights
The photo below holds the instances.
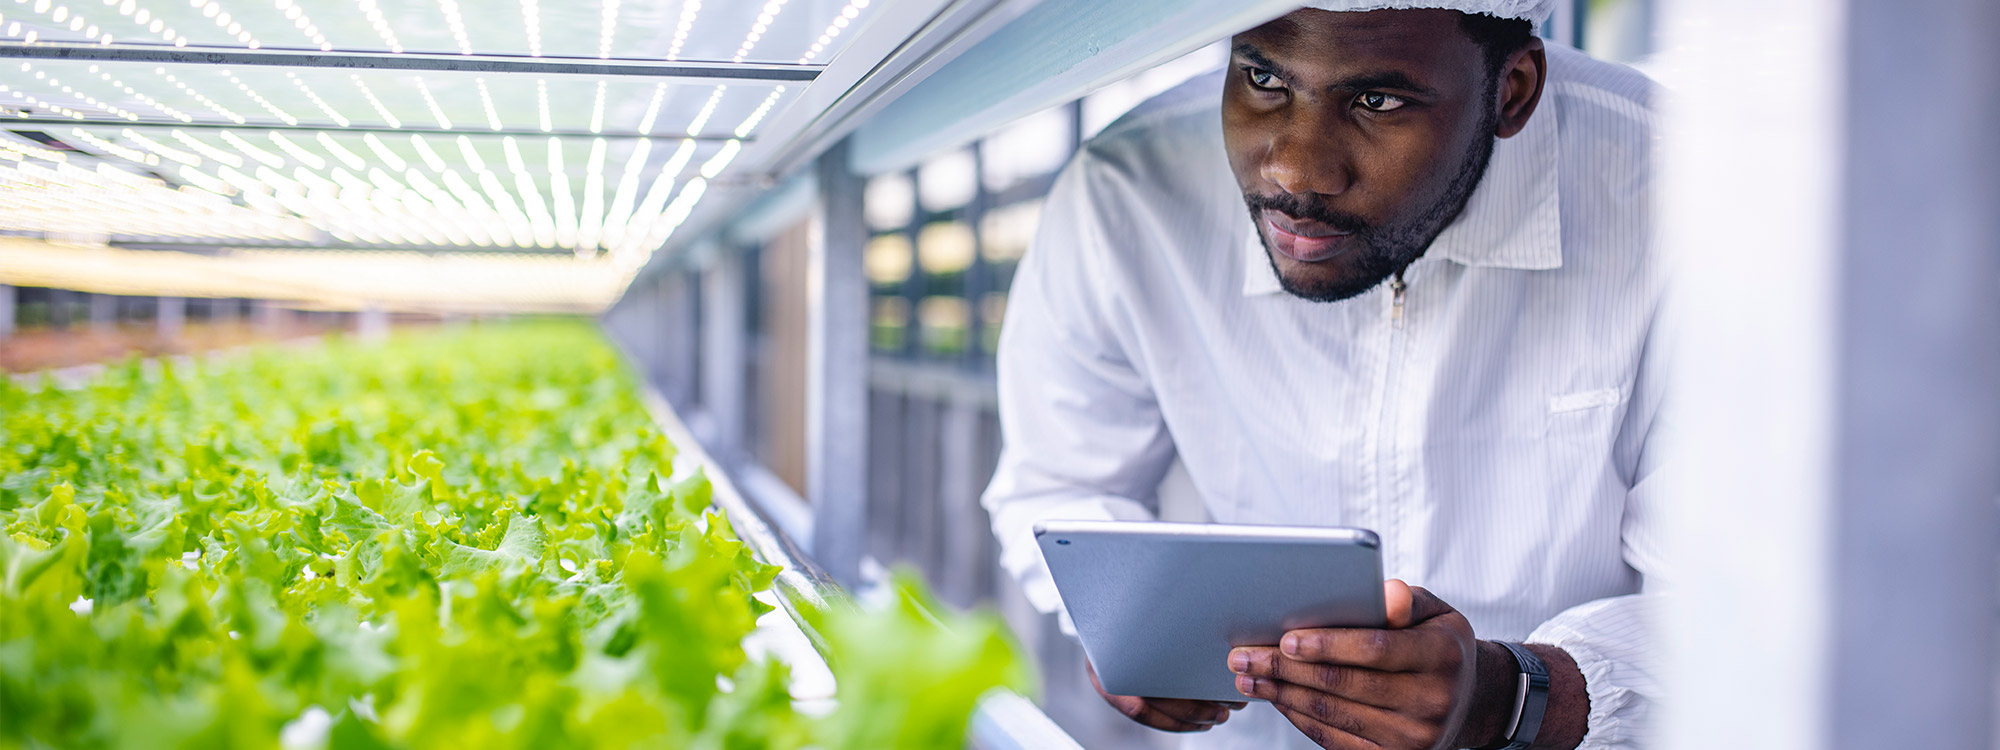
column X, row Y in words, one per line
column 148, row 23
column 588, row 227
column 62, row 197
column 444, row 122
column 671, row 216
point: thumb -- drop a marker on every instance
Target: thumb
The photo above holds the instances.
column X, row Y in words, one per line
column 1408, row 605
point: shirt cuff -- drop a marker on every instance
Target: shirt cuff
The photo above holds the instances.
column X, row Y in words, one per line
column 1614, row 678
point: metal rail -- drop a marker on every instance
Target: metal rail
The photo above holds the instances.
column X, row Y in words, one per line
column 14, row 122
column 710, row 72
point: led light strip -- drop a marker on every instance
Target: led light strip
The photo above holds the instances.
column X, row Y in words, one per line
column 542, row 102
column 616, row 219
column 205, row 101
column 607, row 29
column 443, row 122
column 51, row 106
column 531, row 18
column 653, row 109
column 381, row 24
column 260, row 100
column 145, row 19
column 707, row 110
column 62, row 16
column 565, row 202
column 203, row 148
column 379, row 108
column 351, row 159
column 486, row 99
column 337, row 117
column 51, row 82
column 524, row 181
column 689, row 9
column 129, row 91
column 428, row 154
column 252, row 150
column 302, row 22
column 456, row 22
column 757, row 29
column 122, row 152
column 184, row 157
column 840, row 21
column 213, row 9
column 597, row 110
column 757, row 116
column 590, row 217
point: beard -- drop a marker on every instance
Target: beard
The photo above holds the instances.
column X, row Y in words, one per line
column 1380, row 250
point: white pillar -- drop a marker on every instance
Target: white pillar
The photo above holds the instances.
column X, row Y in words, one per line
column 723, row 351
column 371, row 323
column 837, row 371
column 1839, row 373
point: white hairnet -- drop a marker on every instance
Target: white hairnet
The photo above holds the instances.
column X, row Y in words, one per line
column 1532, row 11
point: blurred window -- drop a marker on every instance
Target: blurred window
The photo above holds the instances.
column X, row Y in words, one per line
column 888, row 201
column 1006, row 232
column 945, row 247
column 943, row 321
column 1031, row 147
column 887, row 259
column 948, row 181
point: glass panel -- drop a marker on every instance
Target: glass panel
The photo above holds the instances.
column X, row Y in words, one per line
column 992, row 310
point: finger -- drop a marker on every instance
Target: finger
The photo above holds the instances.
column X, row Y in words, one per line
column 1139, row 710
column 1323, row 734
column 1344, row 722
column 1369, row 686
column 1198, row 712
column 1408, row 605
column 1369, row 648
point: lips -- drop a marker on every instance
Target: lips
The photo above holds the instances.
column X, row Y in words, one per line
column 1302, row 240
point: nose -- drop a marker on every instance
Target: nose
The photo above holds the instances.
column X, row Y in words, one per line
column 1304, row 157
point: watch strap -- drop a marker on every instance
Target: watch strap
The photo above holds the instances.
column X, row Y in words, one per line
column 1531, row 699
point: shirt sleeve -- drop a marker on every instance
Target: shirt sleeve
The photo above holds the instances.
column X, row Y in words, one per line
column 1082, row 435
column 1614, row 640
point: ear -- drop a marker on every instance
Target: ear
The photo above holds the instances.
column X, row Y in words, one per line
column 1520, row 88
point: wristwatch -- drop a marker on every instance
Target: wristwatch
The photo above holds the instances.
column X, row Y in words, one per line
column 1530, row 701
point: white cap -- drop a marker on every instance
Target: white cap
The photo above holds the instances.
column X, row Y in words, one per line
column 1532, row 11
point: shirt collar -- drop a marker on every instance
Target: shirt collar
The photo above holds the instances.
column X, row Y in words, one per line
column 1513, row 219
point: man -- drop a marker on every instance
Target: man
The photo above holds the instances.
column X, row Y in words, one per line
column 1432, row 321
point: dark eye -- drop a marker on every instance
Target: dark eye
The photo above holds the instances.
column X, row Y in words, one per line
column 1376, row 101
column 1262, row 79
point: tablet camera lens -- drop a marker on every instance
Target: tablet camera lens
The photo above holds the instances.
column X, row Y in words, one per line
column 1062, row 541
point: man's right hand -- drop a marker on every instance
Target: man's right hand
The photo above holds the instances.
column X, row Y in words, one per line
column 1168, row 714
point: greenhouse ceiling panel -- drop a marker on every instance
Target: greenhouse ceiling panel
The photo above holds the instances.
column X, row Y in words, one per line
column 579, row 133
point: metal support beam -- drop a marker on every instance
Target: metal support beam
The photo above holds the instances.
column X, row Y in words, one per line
column 723, row 351
column 837, row 370
column 697, row 72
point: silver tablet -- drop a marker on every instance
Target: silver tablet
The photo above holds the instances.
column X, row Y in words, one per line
column 1159, row 605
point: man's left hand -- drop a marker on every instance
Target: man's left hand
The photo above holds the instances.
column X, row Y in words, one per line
column 1410, row 685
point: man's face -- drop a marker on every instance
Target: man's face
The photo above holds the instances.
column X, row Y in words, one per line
column 1356, row 138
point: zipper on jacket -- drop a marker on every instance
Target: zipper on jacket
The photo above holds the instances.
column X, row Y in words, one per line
column 1397, row 286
